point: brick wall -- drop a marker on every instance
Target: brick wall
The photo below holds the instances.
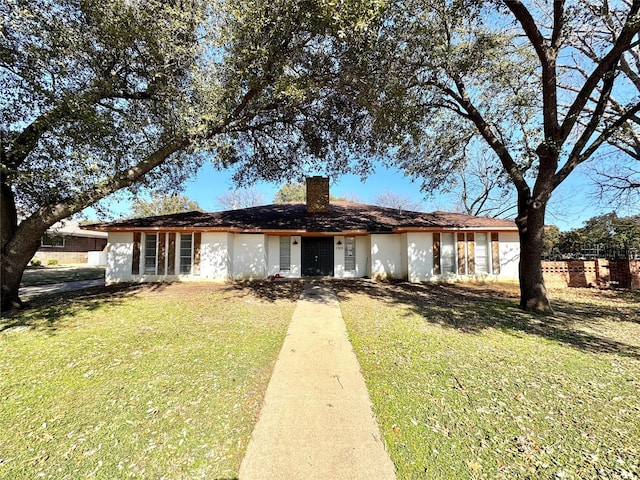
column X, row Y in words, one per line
column 77, row 244
column 569, row 273
column 634, row 273
column 318, row 195
column 592, row 273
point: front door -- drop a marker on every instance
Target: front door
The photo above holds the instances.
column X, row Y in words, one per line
column 317, row 257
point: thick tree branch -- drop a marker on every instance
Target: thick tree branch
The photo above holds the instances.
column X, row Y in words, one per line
column 496, row 145
column 606, row 66
column 577, row 158
column 28, row 139
column 547, row 56
column 49, row 214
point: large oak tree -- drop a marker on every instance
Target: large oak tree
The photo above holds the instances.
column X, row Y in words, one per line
column 547, row 86
column 100, row 95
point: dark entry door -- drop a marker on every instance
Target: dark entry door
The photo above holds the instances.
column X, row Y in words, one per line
column 317, row 257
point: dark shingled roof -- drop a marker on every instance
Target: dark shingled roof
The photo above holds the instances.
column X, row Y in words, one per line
column 342, row 217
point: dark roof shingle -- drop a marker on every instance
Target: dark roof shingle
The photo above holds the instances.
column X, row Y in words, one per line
column 342, row 217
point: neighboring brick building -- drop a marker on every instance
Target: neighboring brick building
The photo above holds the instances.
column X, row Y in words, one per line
column 67, row 243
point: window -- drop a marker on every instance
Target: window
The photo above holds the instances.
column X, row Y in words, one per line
column 150, row 252
column 285, row 254
column 481, row 253
column 350, row 253
column 185, row 253
column 52, row 241
column 447, row 253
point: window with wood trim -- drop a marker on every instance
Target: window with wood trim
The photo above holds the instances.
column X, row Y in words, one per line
column 285, row 254
column 482, row 253
column 447, row 253
column 350, row 254
column 462, row 254
column 150, row 253
column 186, row 253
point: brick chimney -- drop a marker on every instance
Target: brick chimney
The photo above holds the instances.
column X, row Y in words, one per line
column 317, row 195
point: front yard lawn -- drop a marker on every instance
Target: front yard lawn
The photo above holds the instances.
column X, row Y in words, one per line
column 165, row 381
column 156, row 381
column 465, row 385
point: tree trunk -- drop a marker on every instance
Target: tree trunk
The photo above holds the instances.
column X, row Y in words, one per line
column 533, row 293
column 16, row 255
column 19, row 244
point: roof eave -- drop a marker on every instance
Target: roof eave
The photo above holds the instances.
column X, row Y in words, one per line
column 450, row 228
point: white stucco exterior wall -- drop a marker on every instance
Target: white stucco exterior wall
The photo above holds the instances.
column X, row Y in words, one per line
column 272, row 243
column 273, row 254
column 249, row 257
column 363, row 256
column 226, row 256
column 420, row 257
column 386, row 256
column 214, row 256
column 404, row 257
column 338, row 257
column 296, row 257
column 509, row 247
column 119, row 257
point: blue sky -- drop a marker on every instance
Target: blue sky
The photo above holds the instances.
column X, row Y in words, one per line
column 571, row 205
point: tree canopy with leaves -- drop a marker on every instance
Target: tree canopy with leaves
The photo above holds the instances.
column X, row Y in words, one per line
column 163, row 204
column 101, row 95
column 546, row 86
column 291, row 192
column 608, row 231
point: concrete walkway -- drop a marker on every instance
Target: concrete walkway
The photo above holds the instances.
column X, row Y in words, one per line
column 316, row 421
column 59, row 287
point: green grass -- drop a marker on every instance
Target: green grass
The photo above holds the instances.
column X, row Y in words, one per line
column 465, row 385
column 46, row 275
column 141, row 382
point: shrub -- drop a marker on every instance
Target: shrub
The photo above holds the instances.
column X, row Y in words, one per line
column 52, row 261
column 36, row 262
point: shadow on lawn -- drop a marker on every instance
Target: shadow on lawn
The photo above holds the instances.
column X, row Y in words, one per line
column 471, row 309
column 266, row 290
column 45, row 311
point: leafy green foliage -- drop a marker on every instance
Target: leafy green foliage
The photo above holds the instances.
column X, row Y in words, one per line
column 163, row 205
column 538, row 83
column 98, row 96
column 607, row 230
column 295, row 192
column 291, row 192
column 89, row 88
column 285, row 66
